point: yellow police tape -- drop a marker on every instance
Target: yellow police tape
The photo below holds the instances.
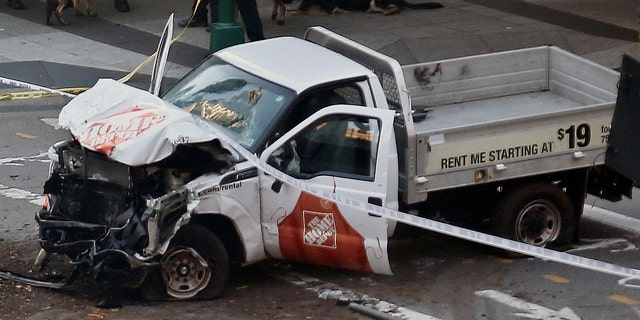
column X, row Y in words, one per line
column 38, row 94
column 153, row 56
column 75, row 91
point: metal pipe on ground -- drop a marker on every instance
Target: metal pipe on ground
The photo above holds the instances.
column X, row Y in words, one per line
column 370, row 312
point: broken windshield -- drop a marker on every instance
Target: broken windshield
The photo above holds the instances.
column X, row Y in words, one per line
column 242, row 105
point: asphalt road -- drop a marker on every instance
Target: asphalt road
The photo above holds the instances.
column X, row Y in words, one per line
column 435, row 276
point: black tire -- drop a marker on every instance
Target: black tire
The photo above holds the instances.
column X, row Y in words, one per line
column 537, row 213
column 196, row 266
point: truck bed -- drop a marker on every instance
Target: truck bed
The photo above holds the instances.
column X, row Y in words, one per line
column 505, row 85
column 503, row 112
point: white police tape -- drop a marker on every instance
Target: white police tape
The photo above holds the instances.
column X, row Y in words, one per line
column 420, row 222
column 443, row 228
column 21, row 84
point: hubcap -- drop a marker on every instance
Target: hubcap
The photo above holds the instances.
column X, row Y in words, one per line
column 538, row 223
column 185, row 273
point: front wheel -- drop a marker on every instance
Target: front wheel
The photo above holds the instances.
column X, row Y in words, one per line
column 196, row 265
column 538, row 213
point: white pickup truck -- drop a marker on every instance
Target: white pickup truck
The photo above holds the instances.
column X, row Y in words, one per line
column 515, row 138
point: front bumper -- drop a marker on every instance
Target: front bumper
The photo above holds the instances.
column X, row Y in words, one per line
column 71, row 238
column 103, row 252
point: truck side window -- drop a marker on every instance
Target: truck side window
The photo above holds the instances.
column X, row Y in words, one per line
column 337, row 145
column 315, row 101
column 351, row 95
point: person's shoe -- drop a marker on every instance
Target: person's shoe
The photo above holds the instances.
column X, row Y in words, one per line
column 122, row 5
column 193, row 23
column 392, row 9
column 207, row 28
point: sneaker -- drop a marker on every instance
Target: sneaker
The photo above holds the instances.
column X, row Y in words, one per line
column 193, row 23
column 392, row 9
column 122, row 5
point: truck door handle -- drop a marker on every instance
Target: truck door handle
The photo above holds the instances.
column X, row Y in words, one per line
column 276, row 186
column 375, row 200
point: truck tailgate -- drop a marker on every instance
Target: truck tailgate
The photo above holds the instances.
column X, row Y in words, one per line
column 624, row 153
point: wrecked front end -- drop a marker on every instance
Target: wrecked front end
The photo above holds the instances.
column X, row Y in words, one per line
column 116, row 193
column 112, row 219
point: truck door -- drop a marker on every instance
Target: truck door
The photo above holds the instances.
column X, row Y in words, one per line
column 341, row 151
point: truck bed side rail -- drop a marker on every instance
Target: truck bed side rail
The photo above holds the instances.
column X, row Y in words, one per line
column 486, row 76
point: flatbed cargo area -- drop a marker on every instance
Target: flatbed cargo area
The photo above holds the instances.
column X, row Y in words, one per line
column 453, row 116
column 518, row 84
column 509, row 114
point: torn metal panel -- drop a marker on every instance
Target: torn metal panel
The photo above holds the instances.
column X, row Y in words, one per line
column 130, row 125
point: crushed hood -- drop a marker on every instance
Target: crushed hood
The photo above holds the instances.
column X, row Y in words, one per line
column 130, row 125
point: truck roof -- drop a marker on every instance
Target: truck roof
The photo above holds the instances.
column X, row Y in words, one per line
column 292, row 62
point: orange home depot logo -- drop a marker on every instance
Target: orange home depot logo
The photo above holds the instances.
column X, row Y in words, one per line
column 104, row 135
column 316, row 232
column 319, row 229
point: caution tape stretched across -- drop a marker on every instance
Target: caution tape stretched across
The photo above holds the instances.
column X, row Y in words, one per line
column 71, row 92
column 443, row 228
column 38, row 94
column 153, row 56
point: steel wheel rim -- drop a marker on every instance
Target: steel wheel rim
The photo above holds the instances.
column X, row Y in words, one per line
column 185, row 273
column 538, row 223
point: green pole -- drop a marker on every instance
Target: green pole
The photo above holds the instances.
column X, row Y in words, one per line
column 226, row 32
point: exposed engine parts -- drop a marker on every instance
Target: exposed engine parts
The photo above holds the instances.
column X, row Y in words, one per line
column 102, row 213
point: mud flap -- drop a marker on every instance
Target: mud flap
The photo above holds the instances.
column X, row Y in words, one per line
column 623, row 154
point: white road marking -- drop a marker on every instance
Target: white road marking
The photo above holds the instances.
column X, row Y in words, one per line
column 17, row 161
column 528, row 310
column 18, row 194
column 52, row 122
column 614, row 245
column 327, row 290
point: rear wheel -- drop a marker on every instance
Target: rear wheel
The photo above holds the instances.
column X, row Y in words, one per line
column 538, row 213
column 196, row 265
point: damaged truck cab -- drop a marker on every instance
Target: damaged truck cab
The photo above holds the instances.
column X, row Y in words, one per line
column 147, row 187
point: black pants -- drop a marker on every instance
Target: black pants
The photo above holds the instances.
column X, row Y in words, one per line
column 248, row 11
